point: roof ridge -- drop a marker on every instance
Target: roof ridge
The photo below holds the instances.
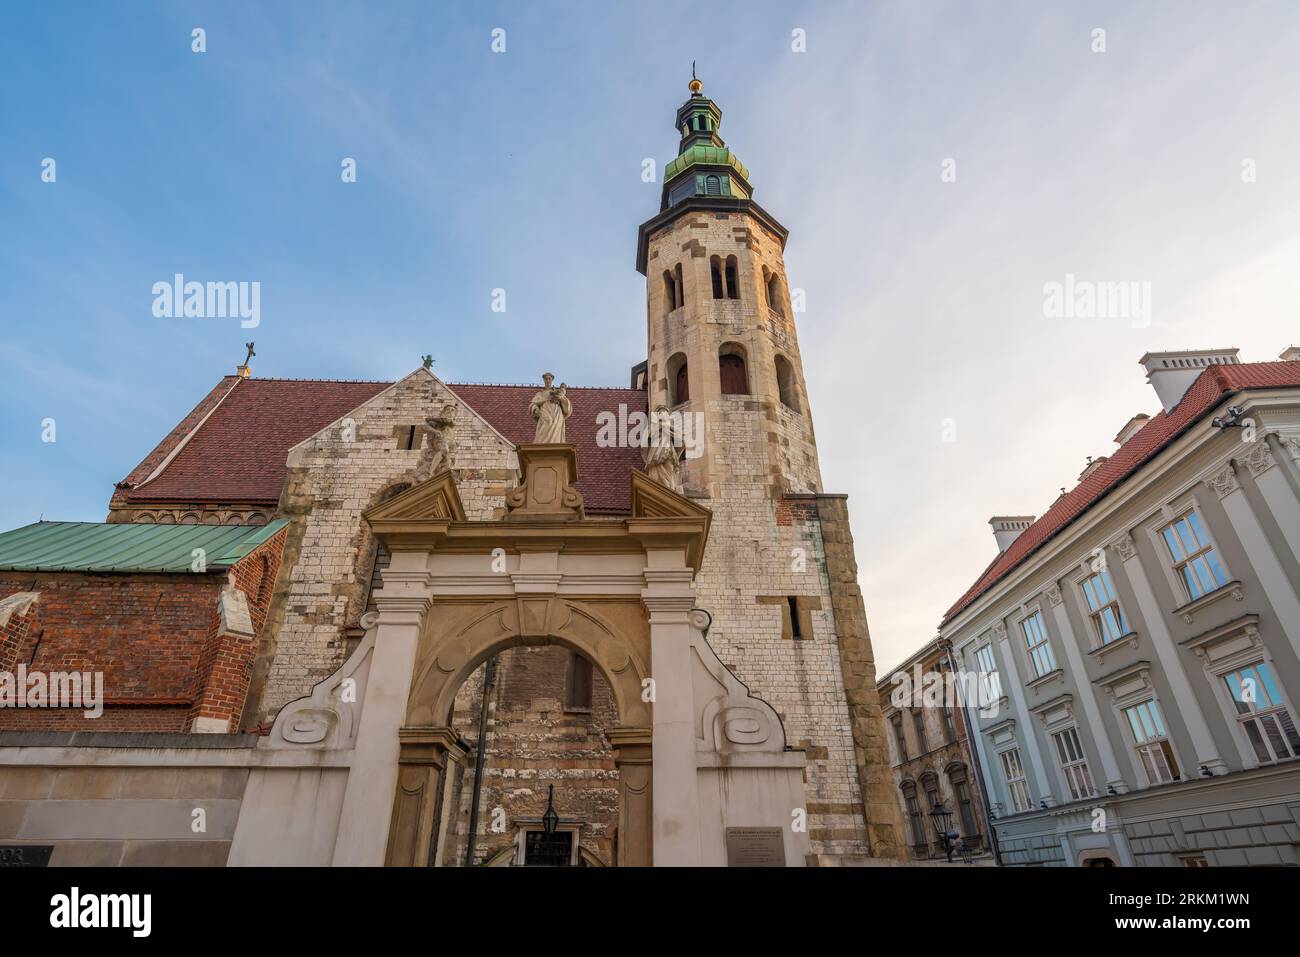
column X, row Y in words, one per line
column 1223, row 378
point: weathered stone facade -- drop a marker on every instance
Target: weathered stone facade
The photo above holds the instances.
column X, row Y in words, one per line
column 333, row 477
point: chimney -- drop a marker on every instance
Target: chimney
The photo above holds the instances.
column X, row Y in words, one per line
column 1092, row 466
column 1290, row 354
column 1132, row 428
column 1171, row 374
column 1007, row 528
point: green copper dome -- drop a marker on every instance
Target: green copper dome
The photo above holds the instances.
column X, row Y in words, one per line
column 704, row 166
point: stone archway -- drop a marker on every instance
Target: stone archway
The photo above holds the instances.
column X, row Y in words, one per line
column 460, row 635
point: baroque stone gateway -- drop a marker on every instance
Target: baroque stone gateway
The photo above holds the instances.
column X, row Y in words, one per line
column 440, row 624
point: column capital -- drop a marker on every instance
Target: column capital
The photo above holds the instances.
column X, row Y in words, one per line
column 1260, row 457
column 1124, row 547
column 1223, row 479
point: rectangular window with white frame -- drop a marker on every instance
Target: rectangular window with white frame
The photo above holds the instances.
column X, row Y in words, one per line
column 1195, row 561
column 1151, row 739
column 1041, row 658
column 1262, row 713
column 990, row 682
column 1014, row 773
column 1108, row 621
column 1074, row 764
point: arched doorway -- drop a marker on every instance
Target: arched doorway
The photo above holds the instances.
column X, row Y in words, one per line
column 533, row 719
column 457, row 640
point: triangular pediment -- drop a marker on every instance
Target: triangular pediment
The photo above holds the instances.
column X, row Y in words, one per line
column 434, row 499
column 652, row 500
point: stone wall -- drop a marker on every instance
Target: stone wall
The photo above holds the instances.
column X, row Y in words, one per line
column 333, row 478
column 165, row 811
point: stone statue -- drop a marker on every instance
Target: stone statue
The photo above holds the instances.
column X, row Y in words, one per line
column 660, row 452
column 550, row 407
column 439, row 453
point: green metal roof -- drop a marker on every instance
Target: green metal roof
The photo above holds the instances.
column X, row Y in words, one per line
column 106, row 547
column 706, row 155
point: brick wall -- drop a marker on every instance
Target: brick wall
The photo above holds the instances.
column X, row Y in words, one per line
column 154, row 637
column 534, row 742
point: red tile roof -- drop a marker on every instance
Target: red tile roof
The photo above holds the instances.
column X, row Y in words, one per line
column 602, row 472
column 238, row 455
column 1204, row 395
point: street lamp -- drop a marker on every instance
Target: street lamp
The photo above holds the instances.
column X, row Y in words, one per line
column 550, row 820
column 942, row 819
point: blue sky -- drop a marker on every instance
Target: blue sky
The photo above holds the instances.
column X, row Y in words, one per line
column 522, row 171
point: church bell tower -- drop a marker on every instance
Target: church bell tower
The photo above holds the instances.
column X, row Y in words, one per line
column 723, row 348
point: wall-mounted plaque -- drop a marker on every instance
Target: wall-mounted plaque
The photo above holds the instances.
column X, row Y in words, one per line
column 25, row 855
column 755, row 847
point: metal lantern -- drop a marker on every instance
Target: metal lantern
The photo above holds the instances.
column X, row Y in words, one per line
column 550, row 820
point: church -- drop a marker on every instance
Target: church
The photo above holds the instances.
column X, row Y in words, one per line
column 426, row 623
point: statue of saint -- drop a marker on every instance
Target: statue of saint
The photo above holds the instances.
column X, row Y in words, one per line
column 439, row 452
column 550, row 407
column 660, row 452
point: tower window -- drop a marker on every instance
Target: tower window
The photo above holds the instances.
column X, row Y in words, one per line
column 673, row 295
column 678, row 381
column 733, row 285
column 773, row 286
column 732, row 374
column 796, row 630
column 712, row 186
column 785, row 384
column 715, row 271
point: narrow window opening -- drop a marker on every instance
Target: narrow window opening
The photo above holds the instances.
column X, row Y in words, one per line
column 796, row 629
column 733, row 286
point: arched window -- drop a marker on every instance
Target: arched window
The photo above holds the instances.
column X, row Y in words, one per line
column 733, row 278
column 712, row 186
column 785, row 383
column 961, row 791
column 715, row 272
column 930, row 782
column 679, row 386
column 673, row 295
column 914, row 819
column 732, row 374
column 773, row 286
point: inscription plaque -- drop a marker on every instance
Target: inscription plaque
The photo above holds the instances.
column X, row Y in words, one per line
column 25, row 855
column 755, row 847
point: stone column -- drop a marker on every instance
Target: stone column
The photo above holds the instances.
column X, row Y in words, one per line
column 1091, row 713
column 1029, row 736
column 373, row 777
column 1184, row 700
column 425, row 753
column 633, row 755
column 1275, row 486
column 668, row 597
column 886, row 836
column 1273, row 580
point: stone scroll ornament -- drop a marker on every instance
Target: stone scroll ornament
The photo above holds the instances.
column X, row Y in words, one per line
column 660, row 451
column 550, row 407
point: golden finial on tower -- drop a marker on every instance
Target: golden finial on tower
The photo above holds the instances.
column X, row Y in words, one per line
column 695, row 84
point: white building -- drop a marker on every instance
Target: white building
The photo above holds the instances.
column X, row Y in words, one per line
column 1142, row 638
